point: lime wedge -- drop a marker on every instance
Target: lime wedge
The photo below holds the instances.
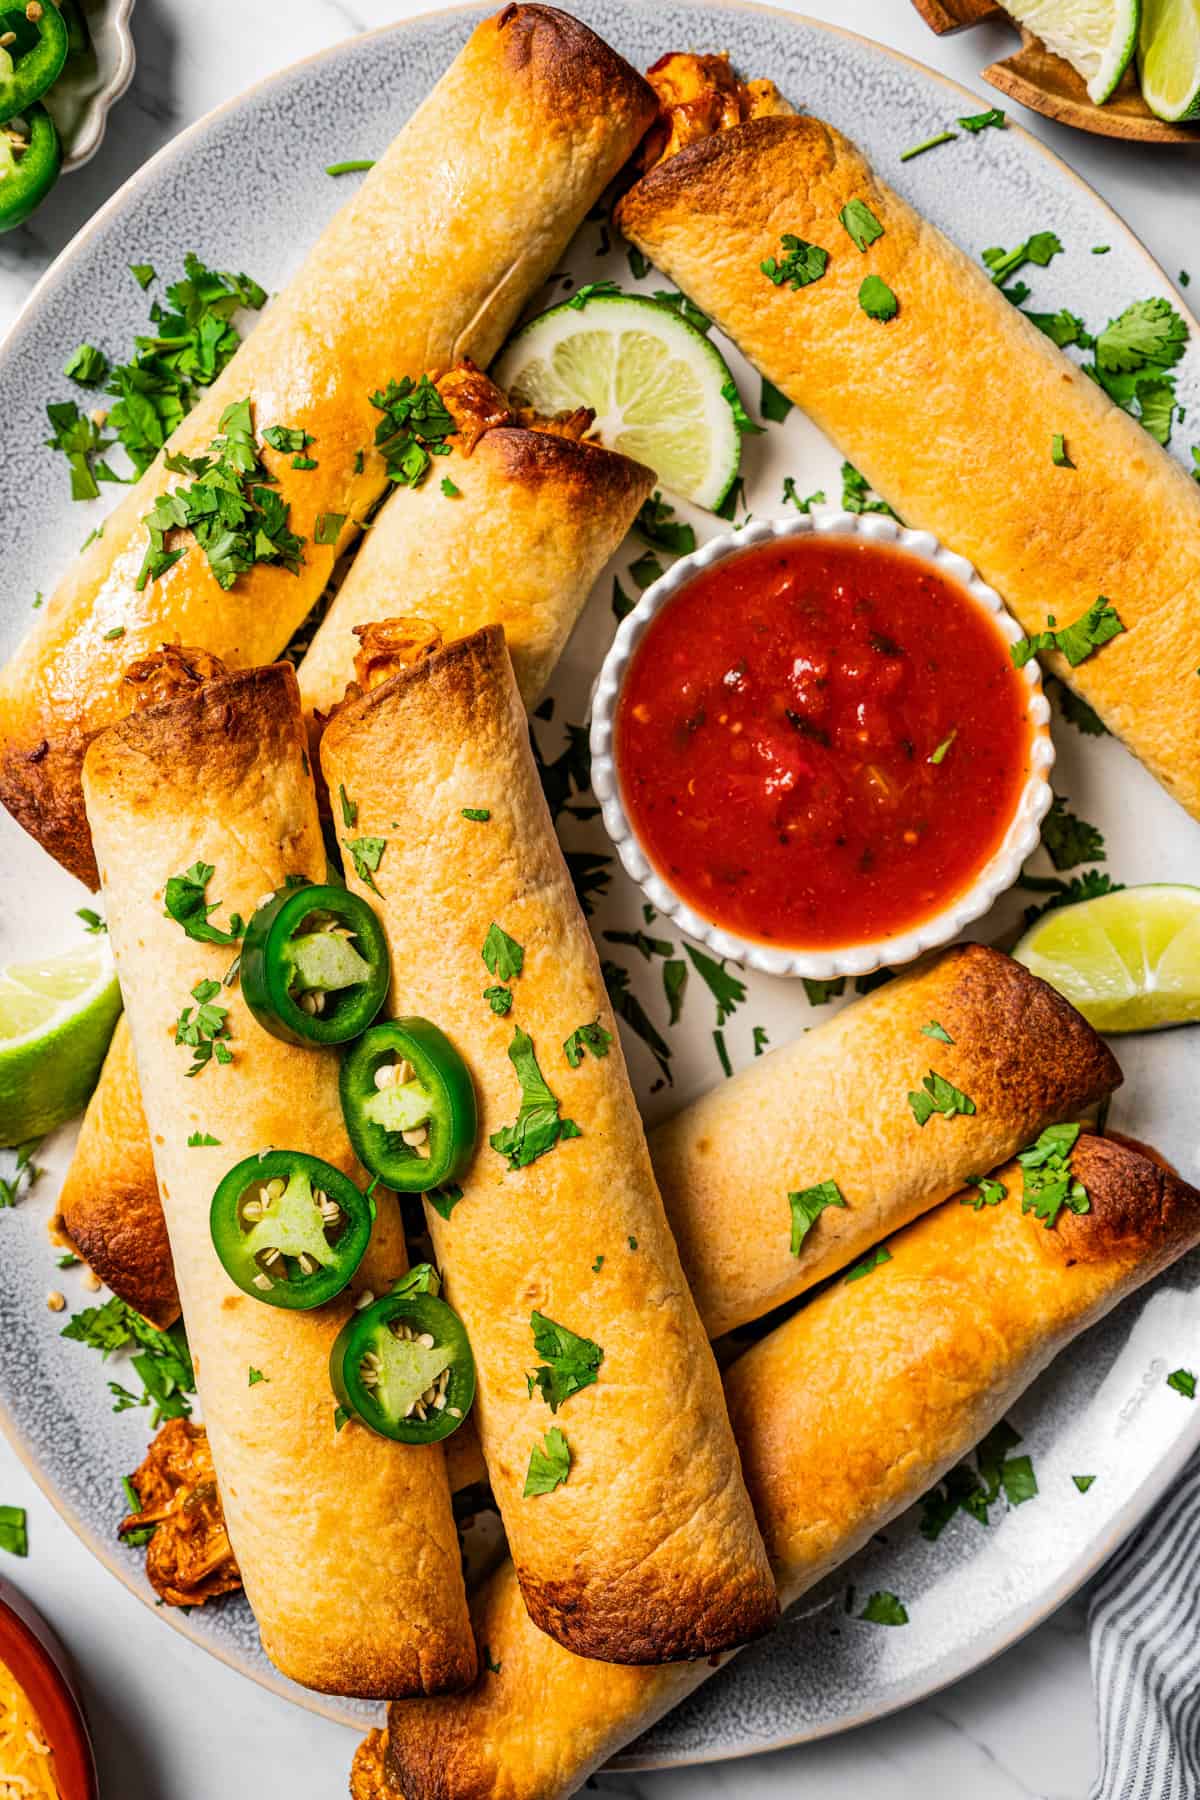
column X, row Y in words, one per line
column 56, row 1017
column 1097, row 37
column 1169, row 54
column 1129, row 961
column 653, row 381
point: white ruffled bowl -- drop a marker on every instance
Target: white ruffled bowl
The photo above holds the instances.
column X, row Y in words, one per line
column 998, row 873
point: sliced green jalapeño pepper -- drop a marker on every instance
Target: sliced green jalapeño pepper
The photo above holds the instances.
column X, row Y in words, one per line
column 290, row 1229
column 28, row 168
column 409, row 1105
column 315, row 966
column 403, row 1366
column 33, row 60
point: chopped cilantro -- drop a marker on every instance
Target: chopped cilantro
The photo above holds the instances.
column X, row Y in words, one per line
column 185, row 901
column 352, row 165
column 993, row 118
column 986, row 1192
column 569, row 1362
column 1088, row 886
column 538, row 1127
column 1184, row 1382
column 943, row 750
column 256, row 1375
column 760, row 1039
column 645, row 570
column 1049, row 1183
column 1058, row 452
column 328, row 527
column 674, row 979
column 875, row 1260
column 444, row 1199
column 676, row 302
column 449, row 489
column 589, row 872
column 976, row 1490
column 726, row 989
column 943, row 137
column 349, row 808
column 79, row 440
column 627, row 1006
column 741, row 418
column 801, row 263
column 883, row 1608
column 934, row 1030
column 586, row 1037
column 86, row 366
column 647, row 947
column 722, row 1050
column 1063, row 328
column 820, row 993
column 803, row 503
column 598, row 1264
column 592, row 290
column 1069, row 840
column 656, row 524
column 92, row 922
column 860, row 224
column 143, row 274
column 502, row 955
column 492, row 1666
column 26, row 1173
column 289, row 439
column 1150, row 332
column 1097, row 626
column 939, row 1096
column 877, row 299
column 202, row 1140
column 117, row 631
column 856, row 492
column 206, row 1035
column 807, row 1206
column 478, row 815
column 413, row 429
column 161, row 1358
column 639, row 265
column 1083, row 1482
column 1040, row 249
column 499, row 999
column 772, row 404
column 622, row 605
column 68, row 1260
column 632, row 1243
column 366, row 853
column 549, row 1464
column 14, row 1535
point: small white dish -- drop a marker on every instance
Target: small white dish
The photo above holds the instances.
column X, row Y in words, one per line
column 998, row 873
column 90, row 85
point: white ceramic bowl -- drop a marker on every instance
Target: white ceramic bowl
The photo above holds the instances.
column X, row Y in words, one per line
column 80, row 99
column 997, row 874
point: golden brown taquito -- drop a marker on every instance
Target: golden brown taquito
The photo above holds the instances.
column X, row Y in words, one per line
column 834, row 1106
column 451, row 232
column 917, row 1361
column 950, row 409
column 648, row 1550
column 533, row 517
column 346, row 1541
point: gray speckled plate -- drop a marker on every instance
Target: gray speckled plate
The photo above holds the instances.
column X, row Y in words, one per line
column 1104, row 1409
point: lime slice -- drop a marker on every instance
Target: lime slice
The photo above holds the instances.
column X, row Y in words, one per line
column 653, row 381
column 56, row 1017
column 1170, row 58
column 1097, row 37
column 1129, row 961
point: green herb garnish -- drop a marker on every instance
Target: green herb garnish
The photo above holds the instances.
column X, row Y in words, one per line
column 983, row 1191
column 1049, row 1183
column 860, row 224
column 503, row 956
column 538, row 1126
column 877, row 299
column 14, row 1535
column 161, row 1358
column 1184, row 1382
column 207, row 1034
column 627, row 1006
column 366, row 853
column 807, row 1206
column 801, row 263
column 1069, row 840
column 569, row 1362
column 883, row 1608
column 586, row 1037
column 549, row 1464
column 186, row 902
column 413, row 429
column 1097, row 626
column 938, row 1096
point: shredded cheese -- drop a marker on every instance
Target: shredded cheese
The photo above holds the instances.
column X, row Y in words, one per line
column 26, row 1760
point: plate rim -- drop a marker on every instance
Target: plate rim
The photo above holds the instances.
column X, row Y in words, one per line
column 1165, row 1472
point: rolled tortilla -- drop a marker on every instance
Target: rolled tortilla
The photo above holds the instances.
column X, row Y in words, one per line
column 449, row 235
column 727, row 1163
column 533, row 518
column 648, row 1551
column 834, row 1106
column 949, row 410
column 917, row 1362
column 346, row 1541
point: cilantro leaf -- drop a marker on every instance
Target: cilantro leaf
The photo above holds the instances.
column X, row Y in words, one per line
column 14, row 1535
column 1048, row 1182
column 934, row 1030
column 645, row 570
column 801, row 264
column 1063, row 328
column 1088, row 886
column 161, row 1360
column 590, row 874
column 1039, row 249
column 287, row 438
column 444, row 1199
column 1070, row 840
column 987, row 1192
column 26, row 1173
column 993, row 118
column 80, row 440
column 1148, row 332
column 413, row 429
column 349, row 808
column 586, row 1037
column 676, row 302
column 205, row 1035
column 1076, row 711
column 656, row 524
column 1184, row 1382
column 943, row 137
column 627, row 1006
column 674, row 978
column 1058, row 452
column 856, row 492
column 820, row 993
column 807, row 1206
column 538, row 1126
column 185, row 901
column 939, row 1096
column 772, row 404
column 500, row 999
column 569, row 1362
column 1083, row 1482
column 884, row 1609
column 502, row 955
column 860, row 224
column 589, row 291
column 366, row 853
column 86, row 366
column 255, row 1376
column 478, row 815
column 875, row 1260
column 744, row 424
column 1097, row 626
column 622, row 605
column 803, row 503
column 549, row 1464
column 877, row 299
column 201, row 1140
column 647, row 947
column 726, row 989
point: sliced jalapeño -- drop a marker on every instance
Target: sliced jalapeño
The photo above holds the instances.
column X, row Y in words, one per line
column 409, row 1105
column 289, row 1229
column 403, row 1366
column 315, row 966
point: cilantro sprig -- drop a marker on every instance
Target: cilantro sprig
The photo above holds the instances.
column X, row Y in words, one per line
column 1077, row 641
column 185, row 900
column 1049, row 1183
column 207, row 1034
column 538, row 1126
column 413, row 429
column 569, row 1362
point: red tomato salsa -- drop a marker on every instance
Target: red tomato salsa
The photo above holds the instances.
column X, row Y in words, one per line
column 821, row 741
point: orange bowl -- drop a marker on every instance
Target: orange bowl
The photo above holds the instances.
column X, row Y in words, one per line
column 38, row 1662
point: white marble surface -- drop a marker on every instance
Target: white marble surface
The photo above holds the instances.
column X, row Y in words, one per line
column 172, row 1724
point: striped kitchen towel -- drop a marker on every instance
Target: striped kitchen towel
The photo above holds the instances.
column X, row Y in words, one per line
column 1145, row 1649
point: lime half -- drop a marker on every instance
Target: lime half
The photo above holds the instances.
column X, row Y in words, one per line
column 56, row 1017
column 1129, row 961
column 1170, row 58
column 658, row 388
column 1097, row 37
